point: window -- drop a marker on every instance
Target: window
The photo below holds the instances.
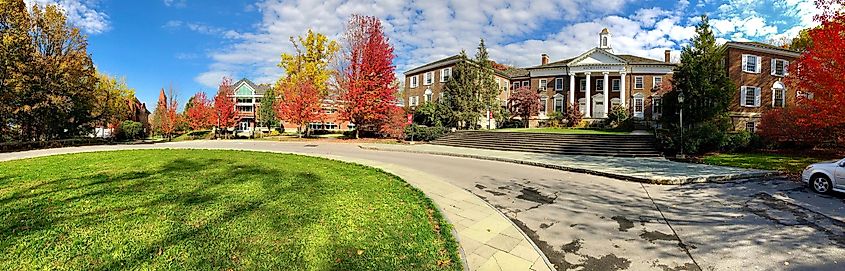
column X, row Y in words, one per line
column 559, row 103
column 414, row 82
column 543, row 101
column 749, row 96
column 543, row 83
column 751, row 63
column 428, row 79
column 515, row 85
column 778, row 97
column 657, row 106
column 657, row 81
column 604, row 41
column 330, row 126
column 247, row 109
column 638, row 82
column 526, row 84
column 583, row 85
column 315, row 126
column 779, row 67
column 351, row 126
column 414, row 101
column 558, row 83
column 445, row 74
column 599, row 84
column 428, row 95
column 750, row 126
column 244, row 100
column 615, row 85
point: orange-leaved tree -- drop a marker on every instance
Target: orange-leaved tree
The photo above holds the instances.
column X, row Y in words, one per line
column 200, row 112
column 524, row 103
column 300, row 103
column 224, row 106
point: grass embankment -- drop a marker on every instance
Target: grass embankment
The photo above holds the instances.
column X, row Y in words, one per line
column 791, row 164
column 214, row 210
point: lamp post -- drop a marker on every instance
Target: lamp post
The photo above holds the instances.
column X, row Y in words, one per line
column 681, row 106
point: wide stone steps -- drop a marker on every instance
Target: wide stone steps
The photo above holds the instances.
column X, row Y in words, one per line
column 599, row 145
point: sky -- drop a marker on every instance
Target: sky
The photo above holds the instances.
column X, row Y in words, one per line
column 191, row 44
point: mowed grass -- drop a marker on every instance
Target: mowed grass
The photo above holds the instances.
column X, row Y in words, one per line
column 779, row 162
column 214, row 210
column 561, row 131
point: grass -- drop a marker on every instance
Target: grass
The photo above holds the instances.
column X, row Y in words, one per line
column 214, row 210
column 561, row 131
column 779, row 162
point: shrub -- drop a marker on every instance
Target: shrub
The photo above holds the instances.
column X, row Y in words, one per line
column 574, row 116
column 705, row 137
column 557, row 120
column 423, row 133
column 34, row 145
column 739, row 141
column 130, row 130
column 512, row 123
column 619, row 118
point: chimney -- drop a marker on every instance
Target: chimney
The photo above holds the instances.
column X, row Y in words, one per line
column 667, row 56
column 545, row 59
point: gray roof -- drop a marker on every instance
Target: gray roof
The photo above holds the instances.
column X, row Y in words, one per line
column 436, row 64
column 763, row 46
column 260, row 89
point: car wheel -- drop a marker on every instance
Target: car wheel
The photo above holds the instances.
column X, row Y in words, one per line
column 821, row 184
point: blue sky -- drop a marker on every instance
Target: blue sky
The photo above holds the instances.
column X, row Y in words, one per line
column 192, row 44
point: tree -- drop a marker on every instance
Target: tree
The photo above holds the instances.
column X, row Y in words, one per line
column 15, row 59
column 394, row 125
column 801, row 42
column 300, row 104
column 460, row 94
column 488, row 89
column 310, row 62
column 707, row 91
column 112, row 99
column 367, row 91
column 166, row 118
column 199, row 112
column 817, row 72
column 524, row 103
column 225, row 116
column 267, row 110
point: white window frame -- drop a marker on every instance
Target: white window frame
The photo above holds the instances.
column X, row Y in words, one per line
column 583, row 86
column 515, row 85
column 542, row 85
column 757, row 63
column 654, row 82
column 752, row 128
column 639, row 102
column 415, row 81
column 558, row 83
column 785, row 67
column 544, row 103
column 445, row 74
column 559, row 104
column 783, row 97
column 526, row 83
column 428, row 95
column 743, row 96
column 428, row 79
column 599, row 84
column 641, row 80
column 616, row 85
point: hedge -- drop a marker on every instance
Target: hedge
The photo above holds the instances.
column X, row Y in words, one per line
column 35, row 145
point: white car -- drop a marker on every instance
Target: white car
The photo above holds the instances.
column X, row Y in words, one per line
column 825, row 177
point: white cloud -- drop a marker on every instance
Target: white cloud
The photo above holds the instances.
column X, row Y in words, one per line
column 176, row 3
column 80, row 13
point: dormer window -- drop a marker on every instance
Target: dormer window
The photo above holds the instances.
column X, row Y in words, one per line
column 604, row 41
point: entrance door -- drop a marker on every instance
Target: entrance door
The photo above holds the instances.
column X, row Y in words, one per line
column 244, row 126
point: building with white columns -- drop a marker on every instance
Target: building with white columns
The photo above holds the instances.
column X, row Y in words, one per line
column 599, row 79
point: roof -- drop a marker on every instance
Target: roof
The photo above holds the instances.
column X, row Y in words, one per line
column 436, row 64
column 513, row 72
column 759, row 45
column 449, row 61
column 630, row 59
column 259, row 89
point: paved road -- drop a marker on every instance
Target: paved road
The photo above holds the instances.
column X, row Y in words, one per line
column 585, row 222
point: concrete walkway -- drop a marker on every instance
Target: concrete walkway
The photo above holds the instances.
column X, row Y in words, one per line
column 488, row 239
column 647, row 170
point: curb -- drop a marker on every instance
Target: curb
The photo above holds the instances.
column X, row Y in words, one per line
column 659, row 181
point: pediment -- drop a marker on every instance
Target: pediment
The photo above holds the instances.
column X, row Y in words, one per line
column 597, row 56
column 244, row 90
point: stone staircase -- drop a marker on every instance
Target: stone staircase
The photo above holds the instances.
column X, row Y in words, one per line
column 566, row 144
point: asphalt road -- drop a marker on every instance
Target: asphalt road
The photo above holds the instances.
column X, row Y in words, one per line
column 584, row 222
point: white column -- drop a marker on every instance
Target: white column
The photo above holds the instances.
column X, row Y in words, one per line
column 587, row 94
column 623, row 96
column 606, row 93
column 572, row 100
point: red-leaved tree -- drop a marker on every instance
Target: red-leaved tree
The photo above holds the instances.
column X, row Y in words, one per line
column 395, row 123
column 224, row 106
column 367, row 92
column 817, row 116
column 200, row 113
column 524, row 103
column 300, row 103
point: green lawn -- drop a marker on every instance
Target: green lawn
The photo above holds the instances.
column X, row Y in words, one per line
column 789, row 164
column 214, row 210
column 561, row 131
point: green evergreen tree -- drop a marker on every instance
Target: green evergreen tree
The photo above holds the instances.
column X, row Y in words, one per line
column 461, row 95
column 267, row 111
column 488, row 89
column 707, row 89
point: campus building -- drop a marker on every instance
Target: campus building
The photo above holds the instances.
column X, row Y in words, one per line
column 595, row 81
column 248, row 95
column 600, row 79
column 758, row 71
